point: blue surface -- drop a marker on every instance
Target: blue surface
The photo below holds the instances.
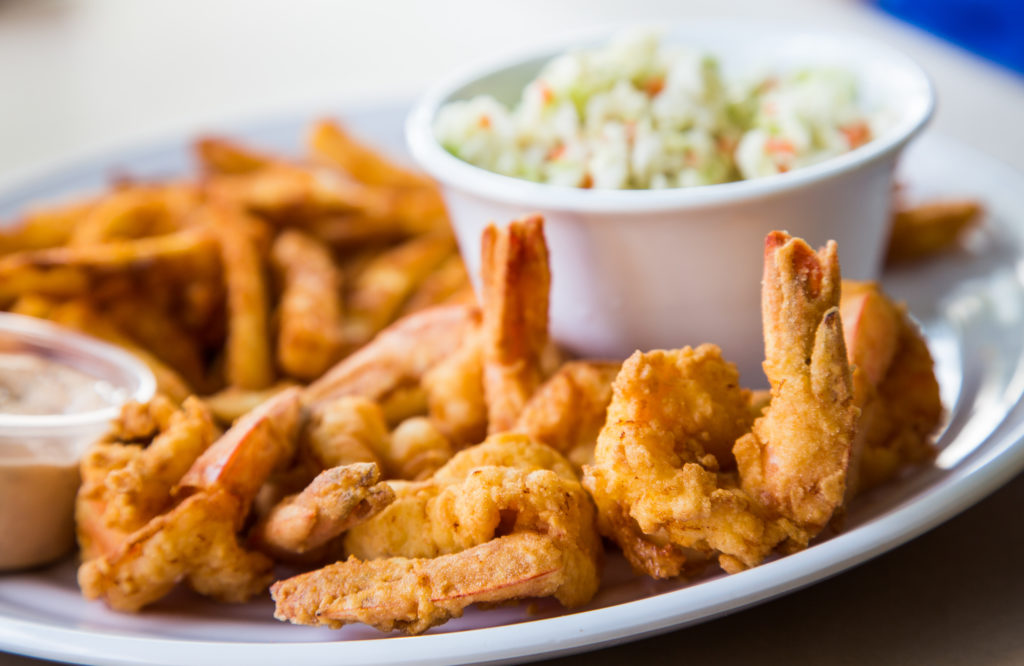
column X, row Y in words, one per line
column 993, row 29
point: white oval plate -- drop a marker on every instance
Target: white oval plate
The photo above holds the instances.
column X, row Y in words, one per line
column 971, row 305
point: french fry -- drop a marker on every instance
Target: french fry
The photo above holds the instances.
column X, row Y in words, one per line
column 33, row 305
column 282, row 192
column 351, row 230
column 114, row 256
column 289, row 194
column 332, row 145
column 70, row 271
column 153, row 328
column 58, row 282
column 136, row 211
column 930, row 229
column 449, row 279
column 248, row 358
column 217, row 155
column 231, row 403
column 47, row 227
column 177, row 272
column 384, row 285
column 309, row 334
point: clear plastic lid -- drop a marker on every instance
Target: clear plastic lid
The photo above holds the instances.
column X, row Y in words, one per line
column 116, row 371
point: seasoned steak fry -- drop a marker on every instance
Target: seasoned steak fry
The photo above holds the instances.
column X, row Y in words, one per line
column 309, row 313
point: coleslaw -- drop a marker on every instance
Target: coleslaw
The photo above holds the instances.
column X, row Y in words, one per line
column 638, row 114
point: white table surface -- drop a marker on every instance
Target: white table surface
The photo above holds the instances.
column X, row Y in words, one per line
column 78, row 76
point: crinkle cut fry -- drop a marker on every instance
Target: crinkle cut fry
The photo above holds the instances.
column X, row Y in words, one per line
column 415, row 594
column 516, row 286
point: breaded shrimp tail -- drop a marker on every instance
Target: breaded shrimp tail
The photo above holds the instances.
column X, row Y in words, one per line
column 794, row 461
column 516, row 282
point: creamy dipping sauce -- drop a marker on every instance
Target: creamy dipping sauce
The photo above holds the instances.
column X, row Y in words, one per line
column 34, row 384
column 39, row 474
column 37, row 497
column 58, row 391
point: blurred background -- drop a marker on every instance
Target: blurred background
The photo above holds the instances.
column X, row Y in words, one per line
column 78, row 75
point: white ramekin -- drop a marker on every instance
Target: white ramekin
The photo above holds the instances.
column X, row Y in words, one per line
column 39, row 454
column 646, row 269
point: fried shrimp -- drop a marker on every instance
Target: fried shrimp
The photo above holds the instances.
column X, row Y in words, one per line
column 455, row 396
column 196, row 539
column 503, row 520
column 516, row 284
column 795, row 459
column 674, row 416
column 568, row 411
column 127, row 476
column 399, row 356
column 894, row 385
column 414, row 594
column 337, row 499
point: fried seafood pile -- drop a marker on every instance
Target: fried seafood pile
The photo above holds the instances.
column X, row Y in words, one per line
column 373, row 445
column 453, row 460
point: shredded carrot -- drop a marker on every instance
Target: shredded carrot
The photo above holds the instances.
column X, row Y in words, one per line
column 654, row 86
column 557, row 152
column 484, row 122
column 777, row 145
column 546, row 93
column 857, row 133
